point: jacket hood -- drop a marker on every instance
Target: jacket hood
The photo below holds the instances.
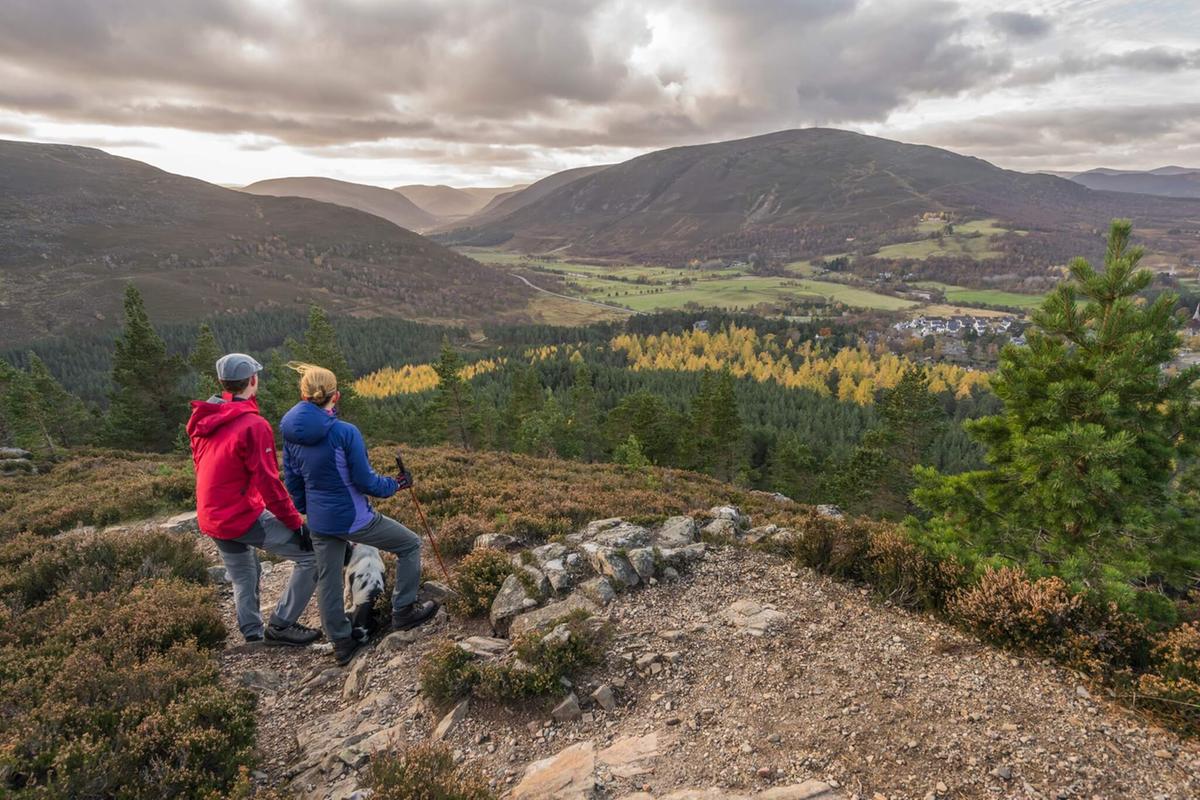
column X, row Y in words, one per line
column 306, row 423
column 209, row 415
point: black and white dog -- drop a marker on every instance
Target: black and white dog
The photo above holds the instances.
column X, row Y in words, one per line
column 364, row 576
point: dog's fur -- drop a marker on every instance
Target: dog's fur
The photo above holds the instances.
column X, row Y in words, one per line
column 364, row 583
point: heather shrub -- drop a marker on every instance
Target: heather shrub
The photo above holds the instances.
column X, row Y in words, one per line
column 1173, row 689
column 32, row 571
column 456, row 536
column 95, row 488
column 448, row 672
column 477, row 579
column 1008, row 608
column 837, row 547
column 108, row 683
column 535, row 527
column 424, row 772
column 901, row 572
column 544, row 662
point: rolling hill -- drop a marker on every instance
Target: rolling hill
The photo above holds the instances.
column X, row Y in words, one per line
column 1164, row 181
column 449, row 203
column 508, row 202
column 395, row 208
column 792, row 194
column 78, row 224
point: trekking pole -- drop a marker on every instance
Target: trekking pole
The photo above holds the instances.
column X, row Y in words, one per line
column 425, row 522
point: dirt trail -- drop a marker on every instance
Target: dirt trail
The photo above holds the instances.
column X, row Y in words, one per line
column 876, row 701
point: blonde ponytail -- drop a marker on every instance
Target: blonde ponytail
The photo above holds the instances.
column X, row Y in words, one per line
column 317, row 384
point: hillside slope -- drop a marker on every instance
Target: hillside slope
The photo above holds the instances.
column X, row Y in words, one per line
column 825, row 682
column 508, row 202
column 791, row 193
column 395, row 208
column 77, row 224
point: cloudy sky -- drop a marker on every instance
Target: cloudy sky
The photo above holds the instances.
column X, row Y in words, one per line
column 493, row 92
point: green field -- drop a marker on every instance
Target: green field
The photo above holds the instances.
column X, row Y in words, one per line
column 725, row 288
column 992, row 297
column 737, row 292
column 973, row 239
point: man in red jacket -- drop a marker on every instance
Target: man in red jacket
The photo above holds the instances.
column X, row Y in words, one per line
column 243, row 507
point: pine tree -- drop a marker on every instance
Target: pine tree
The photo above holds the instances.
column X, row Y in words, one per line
column 320, row 346
column 544, row 432
column 792, row 469
column 584, row 420
column 454, row 402
column 1082, row 459
column 64, row 419
column 278, row 389
column 525, row 398
column 726, row 428
column 881, row 468
column 629, row 453
column 203, row 360
column 146, row 406
column 702, row 441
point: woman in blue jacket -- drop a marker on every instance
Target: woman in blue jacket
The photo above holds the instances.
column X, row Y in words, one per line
column 328, row 475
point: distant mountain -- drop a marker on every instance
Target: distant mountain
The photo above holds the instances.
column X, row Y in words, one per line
column 793, row 193
column 449, row 202
column 77, row 224
column 1164, row 181
column 395, row 208
column 508, row 202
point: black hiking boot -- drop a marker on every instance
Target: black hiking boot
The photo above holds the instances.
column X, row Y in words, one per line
column 294, row 635
column 344, row 650
column 414, row 614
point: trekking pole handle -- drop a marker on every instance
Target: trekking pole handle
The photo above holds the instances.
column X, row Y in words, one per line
column 400, row 463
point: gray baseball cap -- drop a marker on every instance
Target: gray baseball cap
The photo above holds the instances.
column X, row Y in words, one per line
column 237, row 367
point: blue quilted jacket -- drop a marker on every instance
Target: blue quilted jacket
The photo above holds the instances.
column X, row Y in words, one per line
column 326, row 471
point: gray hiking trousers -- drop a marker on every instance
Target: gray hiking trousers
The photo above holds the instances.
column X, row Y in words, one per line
column 389, row 536
column 242, row 566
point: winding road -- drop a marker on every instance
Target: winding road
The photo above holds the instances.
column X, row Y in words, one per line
column 569, row 297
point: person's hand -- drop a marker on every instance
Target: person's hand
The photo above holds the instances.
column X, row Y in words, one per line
column 405, row 480
column 305, row 537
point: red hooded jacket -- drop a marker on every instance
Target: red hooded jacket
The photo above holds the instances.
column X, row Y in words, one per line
column 236, row 471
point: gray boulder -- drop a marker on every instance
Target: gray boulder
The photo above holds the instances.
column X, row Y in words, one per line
column 675, row 532
column 643, row 562
column 542, row 619
column 624, row 536
column 720, row 528
column 612, row 563
column 511, row 600
column 598, row 590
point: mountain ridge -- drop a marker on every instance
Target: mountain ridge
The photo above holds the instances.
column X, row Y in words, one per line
column 77, row 224
column 392, row 206
column 796, row 193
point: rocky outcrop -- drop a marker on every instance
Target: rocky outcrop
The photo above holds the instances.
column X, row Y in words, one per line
column 594, row 563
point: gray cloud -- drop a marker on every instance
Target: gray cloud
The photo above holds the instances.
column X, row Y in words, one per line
column 544, row 73
column 502, row 85
column 1020, row 25
column 1096, row 134
column 1148, row 60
